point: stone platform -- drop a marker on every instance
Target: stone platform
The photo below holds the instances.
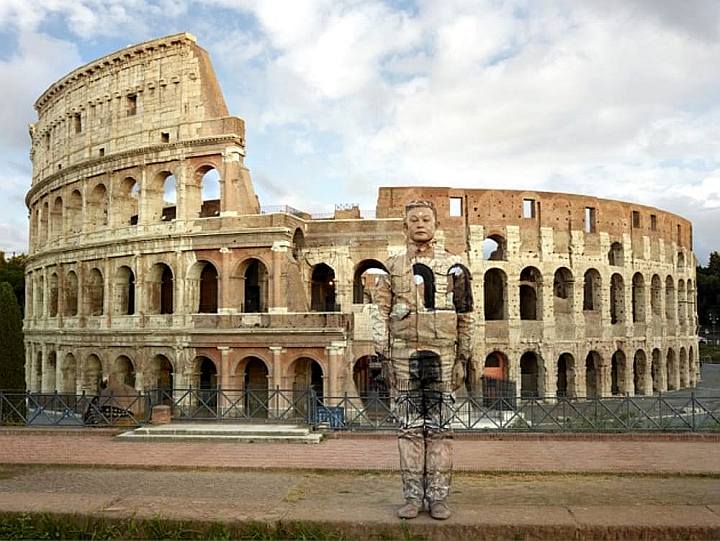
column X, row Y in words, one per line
column 228, row 433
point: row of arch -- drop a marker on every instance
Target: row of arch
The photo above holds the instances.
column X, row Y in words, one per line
column 494, row 248
column 66, row 297
column 596, row 376
column 252, row 278
column 530, row 286
column 58, row 214
column 70, row 375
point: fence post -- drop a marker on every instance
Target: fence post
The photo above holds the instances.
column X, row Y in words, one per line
column 660, row 410
column 692, row 402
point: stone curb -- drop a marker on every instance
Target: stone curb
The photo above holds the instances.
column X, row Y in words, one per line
column 537, row 524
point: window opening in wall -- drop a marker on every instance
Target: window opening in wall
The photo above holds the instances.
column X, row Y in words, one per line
column 101, row 151
column 323, row 289
column 493, row 248
column 679, row 233
column 528, row 208
column 590, row 220
column 165, row 137
column 635, row 219
column 210, row 194
column 169, row 210
column 132, row 105
column 653, row 222
column 59, row 166
column 456, row 206
column 77, row 120
column 47, row 141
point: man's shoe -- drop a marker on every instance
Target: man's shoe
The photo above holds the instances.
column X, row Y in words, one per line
column 409, row 510
column 440, row 510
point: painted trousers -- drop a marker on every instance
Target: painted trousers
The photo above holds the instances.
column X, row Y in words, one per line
column 423, row 405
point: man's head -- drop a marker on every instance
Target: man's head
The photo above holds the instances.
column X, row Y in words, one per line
column 420, row 221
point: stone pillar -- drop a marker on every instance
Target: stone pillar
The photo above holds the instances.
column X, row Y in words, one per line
column 278, row 296
column 225, row 300
column 278, row 404
column 629, row 377
column 28, row 364
column 107, row 291
column 229, row 180
column 549, row 374
column 605, row 383
column 580, row 378
column 224, row 379
column 647, row 377
column 179, row 274
column 144, row 203
column 334, row 354
column 140, row 287
column 45, row 380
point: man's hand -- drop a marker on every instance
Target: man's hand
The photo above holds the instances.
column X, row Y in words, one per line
column 458, row 375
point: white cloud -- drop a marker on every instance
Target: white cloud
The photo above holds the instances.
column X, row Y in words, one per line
column 614, row 98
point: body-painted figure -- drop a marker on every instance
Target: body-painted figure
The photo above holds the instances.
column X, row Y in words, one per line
column 423, row 331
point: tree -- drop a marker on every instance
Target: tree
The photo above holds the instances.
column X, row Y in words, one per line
column 708, row 289
column 13, row 272
column 12, row 350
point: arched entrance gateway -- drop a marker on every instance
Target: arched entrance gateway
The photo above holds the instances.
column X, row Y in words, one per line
column 592, row 374
column 205, row 381
column 255, row 383
column 530, row 376
column 306, row 374
column 495, row 381
column 566, row 376
column 617, row 373
column 373, row 391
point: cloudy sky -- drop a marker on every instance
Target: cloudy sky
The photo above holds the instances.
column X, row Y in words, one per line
column 614, row 98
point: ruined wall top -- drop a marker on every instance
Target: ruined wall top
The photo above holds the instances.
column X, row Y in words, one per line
column 533, row 210
column 158, row 91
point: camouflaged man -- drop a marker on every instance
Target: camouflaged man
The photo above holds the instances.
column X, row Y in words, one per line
column 423, row 332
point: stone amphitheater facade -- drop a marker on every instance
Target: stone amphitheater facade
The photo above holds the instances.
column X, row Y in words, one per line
column 139, row 272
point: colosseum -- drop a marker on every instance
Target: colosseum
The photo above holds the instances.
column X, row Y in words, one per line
column 153, row 262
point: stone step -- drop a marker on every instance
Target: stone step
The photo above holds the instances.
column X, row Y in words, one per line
column 248, row 433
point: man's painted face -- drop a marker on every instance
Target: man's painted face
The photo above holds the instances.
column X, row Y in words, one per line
column 420, row 223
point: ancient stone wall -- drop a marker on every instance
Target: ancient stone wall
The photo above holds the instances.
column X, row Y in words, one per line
column 139, row 272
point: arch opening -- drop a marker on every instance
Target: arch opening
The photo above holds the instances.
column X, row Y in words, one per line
column 323, row 289
column 495, row 294
column 494, row 248
column 530, row 301
column 365, row 280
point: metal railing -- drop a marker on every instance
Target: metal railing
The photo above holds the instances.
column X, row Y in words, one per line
column 657, row 413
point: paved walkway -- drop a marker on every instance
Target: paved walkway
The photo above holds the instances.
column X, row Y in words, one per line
column 349, row 487
column 620, row 455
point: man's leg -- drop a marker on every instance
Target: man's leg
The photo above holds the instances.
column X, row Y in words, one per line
column 411, row 444
column 438, row 475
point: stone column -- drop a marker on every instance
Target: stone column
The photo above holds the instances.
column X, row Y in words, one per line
column 144, row 204
column 279, row 403
column 647, row 377
column 45, row 379
column 580, row 378
column 605, row 383
column 230, row 175
column 224, row 377
column 334, row 354
column 225, row 304
column 278, row 297
column 107, row 292
column 140, row 287
column 629, row 377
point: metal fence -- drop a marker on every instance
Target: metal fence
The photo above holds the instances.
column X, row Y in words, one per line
column 370, row 412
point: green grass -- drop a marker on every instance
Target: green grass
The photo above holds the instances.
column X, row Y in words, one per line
column 709, row 353
column 64, row 526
